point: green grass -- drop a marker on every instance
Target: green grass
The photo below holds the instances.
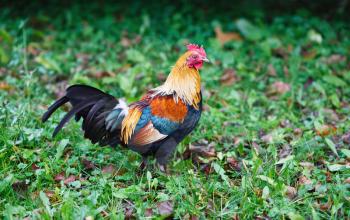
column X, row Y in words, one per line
column 283, row 156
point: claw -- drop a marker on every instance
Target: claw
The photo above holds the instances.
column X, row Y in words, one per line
column 163, row 169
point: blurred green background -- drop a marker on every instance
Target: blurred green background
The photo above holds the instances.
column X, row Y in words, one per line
column 273, row 140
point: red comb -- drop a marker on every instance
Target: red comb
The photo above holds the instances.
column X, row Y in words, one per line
column 195, row 47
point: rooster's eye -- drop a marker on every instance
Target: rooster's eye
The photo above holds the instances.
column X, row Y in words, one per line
column 195, row 56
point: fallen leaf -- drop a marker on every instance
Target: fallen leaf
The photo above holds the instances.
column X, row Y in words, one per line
column 324, row 206
column 261, row 217
column 235, row 216
column 280, row 53
column 346, row 138
column 233, row 163
column 325, row 130
column 70, row 179
column 149, row 212
column 126, row 41
column 308, row 165
column 108, row 169
column 6, row 87
column 104, row 214
column 333, row 59
column 33, row 49
column 20, row 186
column 88, row 165
column 307, row 52
column 165, row 208
column 285, row 123
column 229, row 77
column 328, row 176
column 297, row 131
column 278, row 88
column 303, row 180
column 207, row 169
column 102, row 74
column 330, row 115
column 347, row 180
column 224, row 37
column 291, row 192
column 204, row 151
column 285, row 71
column 129, row 210
column 59, row 177
column 267, row 138
column 308, row 82
column 35, row 167
column 271, row 71
column 50, row 193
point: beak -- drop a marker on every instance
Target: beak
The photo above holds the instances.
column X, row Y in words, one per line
column 206, row 60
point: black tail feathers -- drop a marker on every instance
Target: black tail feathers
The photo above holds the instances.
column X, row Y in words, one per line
column 88, row 103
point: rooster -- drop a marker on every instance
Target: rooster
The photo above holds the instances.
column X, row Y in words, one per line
column 153, row 126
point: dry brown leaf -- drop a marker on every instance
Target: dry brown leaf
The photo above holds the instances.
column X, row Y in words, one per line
column 324, row 206
column 88, row 165
column 280, row 52
column 335, row 58
column 285, row 71
column 308, row 52
column 229, row 77
column 328, row 177
column 35, row 167
column 271, row 71
column 71, row 178
column 59, row 176
column 6, row 87
column 285, row 151
column 33, row 49
column 308, row 165
column 207, row 168
column 303, row 180
column 204, row 151
column 108, row 169
column 285, row 123
column 278, row 88
column 165, row 208
column 346, row 138
column 193, row 217
column 267, row 138
column 126, row 41
column 291, row 192
column 129, row 210
column 297, row 131
column 233, row 163
column 102, row 74
column 20, row 186
column 224, row 37
column 149, row 212
column 326, row 130
column 347, row 180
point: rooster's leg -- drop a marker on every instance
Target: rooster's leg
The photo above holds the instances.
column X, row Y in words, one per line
column 144, row 163
column 164, row 152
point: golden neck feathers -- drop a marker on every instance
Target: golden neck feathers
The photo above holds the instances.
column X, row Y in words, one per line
column 183, row 82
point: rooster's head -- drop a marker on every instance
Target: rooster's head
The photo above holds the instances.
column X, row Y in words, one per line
column 195, row 56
